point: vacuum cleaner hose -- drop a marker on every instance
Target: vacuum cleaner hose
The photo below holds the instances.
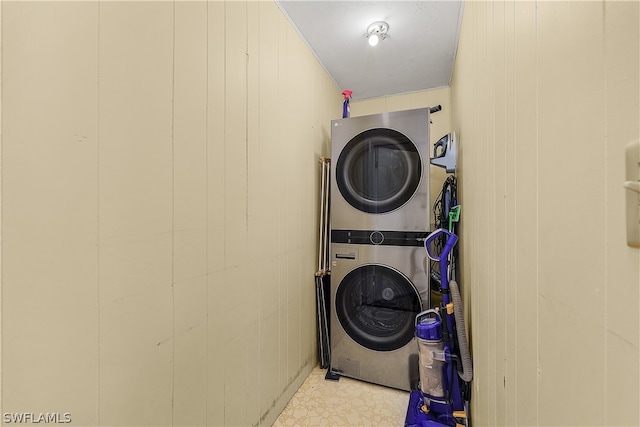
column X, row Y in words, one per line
column 458, row 311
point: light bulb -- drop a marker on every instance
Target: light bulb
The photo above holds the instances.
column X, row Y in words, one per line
column 377, row 31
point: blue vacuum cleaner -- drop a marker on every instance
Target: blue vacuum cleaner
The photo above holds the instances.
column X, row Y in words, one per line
column 442, row 399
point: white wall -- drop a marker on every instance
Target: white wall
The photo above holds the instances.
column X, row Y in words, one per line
column 158, row 210
column 545, row 97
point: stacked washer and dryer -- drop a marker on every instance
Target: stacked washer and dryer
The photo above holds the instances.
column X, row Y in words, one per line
column 379, row 219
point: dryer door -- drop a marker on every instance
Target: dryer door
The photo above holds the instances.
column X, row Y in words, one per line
column 377, row 306
column 378, row 170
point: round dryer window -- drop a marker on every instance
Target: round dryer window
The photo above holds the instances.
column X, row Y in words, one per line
column 377, row 306
column 378, row 170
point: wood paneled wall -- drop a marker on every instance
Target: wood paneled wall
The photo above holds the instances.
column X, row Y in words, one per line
column 160, row 175
column 545, row 97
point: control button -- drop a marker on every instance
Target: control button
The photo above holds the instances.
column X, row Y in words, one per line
column 376, row 238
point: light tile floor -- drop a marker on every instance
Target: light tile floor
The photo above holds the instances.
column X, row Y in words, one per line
column 343, row 403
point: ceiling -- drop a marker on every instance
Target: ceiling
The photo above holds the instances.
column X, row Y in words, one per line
column 418, row 53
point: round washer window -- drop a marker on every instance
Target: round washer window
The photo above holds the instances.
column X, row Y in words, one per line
column 377, row 307
column 378, row 171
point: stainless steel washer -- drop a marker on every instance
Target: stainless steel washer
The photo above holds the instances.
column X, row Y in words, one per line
column 376, row 292
column 380, row 172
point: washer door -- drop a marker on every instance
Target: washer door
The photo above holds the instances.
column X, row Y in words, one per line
column 377, row 306
column 378, row 170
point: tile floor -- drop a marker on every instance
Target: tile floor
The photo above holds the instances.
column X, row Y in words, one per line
column 343, row 403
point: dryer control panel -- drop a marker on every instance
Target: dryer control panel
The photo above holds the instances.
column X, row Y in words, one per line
column 378, row 237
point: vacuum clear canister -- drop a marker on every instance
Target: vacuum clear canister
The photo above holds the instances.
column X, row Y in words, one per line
column 429, row 337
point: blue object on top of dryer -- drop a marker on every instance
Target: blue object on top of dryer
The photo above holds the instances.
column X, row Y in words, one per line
column 445, row 153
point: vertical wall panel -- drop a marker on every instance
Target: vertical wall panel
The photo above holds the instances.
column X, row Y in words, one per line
column 190, row 213
column 293, row 232
column 499, row 207
column 254, row 208
column 236, row 285
column 487, row 172
column 509, row 76
column 216, row 232
column 562, row 112
column 50, row 209
column 235, row 136
column 622, row 118
column 525, row 213
column 571, row 278
column 281, row 198
column 479, row 211
column 136, row 218
column 309, row 203
column 1, row 211
column 269, row 342
column 254, row 155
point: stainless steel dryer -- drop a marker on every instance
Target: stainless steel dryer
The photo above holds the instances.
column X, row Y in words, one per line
column 380, row 172
column 376, row 293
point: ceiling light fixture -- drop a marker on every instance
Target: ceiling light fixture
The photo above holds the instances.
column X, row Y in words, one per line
column 376, row 32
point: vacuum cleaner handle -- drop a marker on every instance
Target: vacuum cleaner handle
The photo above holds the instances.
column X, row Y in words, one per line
column 425, row 314
column 452, row 239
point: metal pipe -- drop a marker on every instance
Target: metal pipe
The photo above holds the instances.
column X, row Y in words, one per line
column 327, row 222
column 321, row 231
